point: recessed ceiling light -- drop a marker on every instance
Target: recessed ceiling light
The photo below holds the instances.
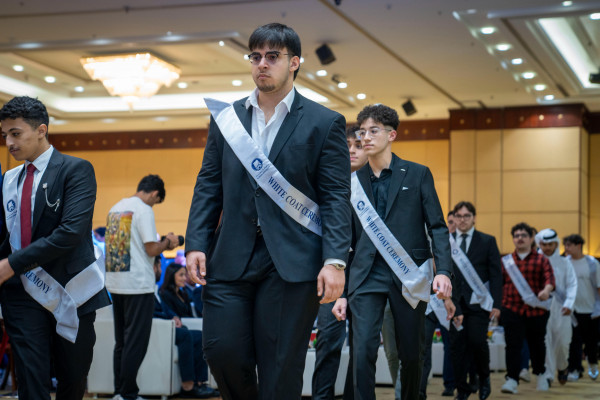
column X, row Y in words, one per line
column 567, row 3
column 549, row 97
column 161, row 119
column 79, row 89
column 310, row 76
column 50, row 79
column 539, row 87
column 595, row 16
column 342, row 85
column 503, row 47
column 301, row 60
column 236, row 82
column 487, row 30
column 361, row 96
column 18, row 67
column 109, row 120
column 221, row 43
column 246, row 57
column 516, row 61
column 182, row 85
column 528, row 75
column 321, row 72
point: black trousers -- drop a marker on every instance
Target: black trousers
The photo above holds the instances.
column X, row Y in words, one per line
column 37, row 347
column 470, row 345
column 431, row 322
column 133, row 323
column 191, row 357
column 331, row 335
column 518, row 328
column 258, row 322
column 585, row 333
column 367, row 318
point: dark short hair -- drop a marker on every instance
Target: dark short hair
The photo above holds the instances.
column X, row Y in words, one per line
column 379, row 113
column 150, row 183
column 101, row 231
column 574, row 239
column 32, row 111
column 169, row 281
column 157, row 259
column 522, row 226
column 351, row 131
column 277, row 36
column 450, row 214
column 467, row 204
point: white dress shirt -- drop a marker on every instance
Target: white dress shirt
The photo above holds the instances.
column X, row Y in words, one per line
column 40, row 164
column 459, row 237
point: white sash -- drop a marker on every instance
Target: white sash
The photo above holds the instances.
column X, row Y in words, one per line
column 416, row 281
column 481, row 294
column 292, row 201
column 522, row 286
column 62, row 302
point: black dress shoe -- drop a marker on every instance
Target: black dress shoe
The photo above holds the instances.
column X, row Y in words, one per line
column 484, row 388
column 461, row 396
column 448, row 392
column 474, row 383
column 199, row 392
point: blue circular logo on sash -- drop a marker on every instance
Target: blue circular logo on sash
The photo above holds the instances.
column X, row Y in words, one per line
column 455, row 251
column 257, row 164
column 10, row 206
column 360, row 205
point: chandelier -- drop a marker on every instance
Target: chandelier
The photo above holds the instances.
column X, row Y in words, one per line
column 131, row 76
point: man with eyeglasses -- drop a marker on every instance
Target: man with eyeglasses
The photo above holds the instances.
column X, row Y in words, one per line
column 396, row 207
column 268, row 254
column 478, row 272
column 528, row 282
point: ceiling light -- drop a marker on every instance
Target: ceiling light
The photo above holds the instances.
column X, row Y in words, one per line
column 236, row 82
column 79, row 89
column 342, row 85
column 361, row 96
column 246, row 57
column 539, row 87
column 567, row 3
column 339, row 81
column 131, row 76
column 516, row 61
column 50, row 79
column 528, row 75
column 595, row 16
column 321, row 72
column 221, row 43
column 503, row 47
column 301, row 60
column 487, row 30
column 549, row 97
column 18, row 67
column 108, row 120
column 182, row 85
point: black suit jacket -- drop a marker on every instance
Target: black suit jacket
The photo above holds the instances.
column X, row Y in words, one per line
column 61, row 239
column 412, row 208
column 485, row 257
column 310, row 151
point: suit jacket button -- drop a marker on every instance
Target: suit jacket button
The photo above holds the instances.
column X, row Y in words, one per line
column 257, row 193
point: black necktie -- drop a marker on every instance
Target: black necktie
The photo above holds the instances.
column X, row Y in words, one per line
column 463, row 244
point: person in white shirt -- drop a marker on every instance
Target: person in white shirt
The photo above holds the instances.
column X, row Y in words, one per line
column 558, row 330
column 587, row 308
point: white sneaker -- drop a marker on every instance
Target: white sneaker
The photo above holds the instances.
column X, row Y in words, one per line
column 117, row 397
column 593, row 371
column 573, row 376
column 510, row 386
column 542, row 383
column 524, row 375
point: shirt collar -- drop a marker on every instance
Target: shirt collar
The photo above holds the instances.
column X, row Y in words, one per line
column 469, row 232
column 384, row 172
column 288, row 100
column 42, row 161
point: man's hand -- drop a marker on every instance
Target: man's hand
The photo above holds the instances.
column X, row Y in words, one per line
column 330, row 283
column 6, row 272
column 457, row 321
column 178, row 323
column 442, row 287
column 173, row 241
column 494, row 314
column 339, row 309
column 544, row 295
column 195, row 262
column 450, row 308
column 565, row 311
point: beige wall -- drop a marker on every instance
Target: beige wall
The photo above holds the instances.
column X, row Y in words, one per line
column 535, row 175
column 594, row 196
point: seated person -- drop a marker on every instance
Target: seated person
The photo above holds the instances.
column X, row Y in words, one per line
column 193, row 368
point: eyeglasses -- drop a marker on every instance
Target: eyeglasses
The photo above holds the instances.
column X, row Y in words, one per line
column 373, row 132
column 270, row 56
column 463, row 216
column 520, row 235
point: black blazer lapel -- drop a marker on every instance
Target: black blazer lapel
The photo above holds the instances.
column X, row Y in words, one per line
column 245, row 116
column 474, row 245
column 288, row 126
column 398, row 174
column 48, row 180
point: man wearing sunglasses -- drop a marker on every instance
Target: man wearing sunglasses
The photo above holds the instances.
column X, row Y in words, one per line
column 266, row 271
